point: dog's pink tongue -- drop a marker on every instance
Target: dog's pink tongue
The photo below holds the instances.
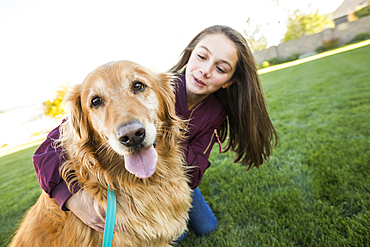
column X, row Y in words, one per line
column 142, row 163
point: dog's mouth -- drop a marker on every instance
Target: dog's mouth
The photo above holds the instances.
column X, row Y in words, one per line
column 134, row 142
column 142, row 162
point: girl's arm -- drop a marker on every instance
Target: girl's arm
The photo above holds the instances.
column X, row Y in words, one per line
column 47, row 160
column 197, row 152
column 199, row 163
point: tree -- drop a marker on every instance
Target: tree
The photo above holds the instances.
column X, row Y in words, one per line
column 300, row 24
column 54, row 107
column 255, row 33
column 255, row 43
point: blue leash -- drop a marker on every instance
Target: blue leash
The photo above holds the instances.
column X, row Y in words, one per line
column 110, row 218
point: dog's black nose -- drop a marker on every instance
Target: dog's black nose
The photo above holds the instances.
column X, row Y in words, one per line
column 131, row 134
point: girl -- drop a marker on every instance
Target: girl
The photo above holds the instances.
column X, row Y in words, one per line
column 219, row 91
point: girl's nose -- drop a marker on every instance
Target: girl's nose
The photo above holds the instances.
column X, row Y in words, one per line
column 206, row 70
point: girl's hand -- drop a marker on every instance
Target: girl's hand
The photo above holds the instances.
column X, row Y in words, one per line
column 86, row 213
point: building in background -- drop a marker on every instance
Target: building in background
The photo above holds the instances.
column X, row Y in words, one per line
column 345, row 12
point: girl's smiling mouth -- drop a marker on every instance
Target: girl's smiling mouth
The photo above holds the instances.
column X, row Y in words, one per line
column 198, row 82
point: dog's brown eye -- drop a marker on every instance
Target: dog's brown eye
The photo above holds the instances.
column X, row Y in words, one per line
column 138, row 86
column 96, row 102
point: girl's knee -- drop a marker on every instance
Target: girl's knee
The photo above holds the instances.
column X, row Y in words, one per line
column 206, row 228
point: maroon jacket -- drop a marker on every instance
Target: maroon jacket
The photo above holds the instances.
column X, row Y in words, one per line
column 204, row 120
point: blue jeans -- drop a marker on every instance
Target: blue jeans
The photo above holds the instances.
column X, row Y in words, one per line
column 202, row 220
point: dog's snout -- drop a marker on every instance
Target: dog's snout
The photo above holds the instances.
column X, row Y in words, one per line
column 131, row 134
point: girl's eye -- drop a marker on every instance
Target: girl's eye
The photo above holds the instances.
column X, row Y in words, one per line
column 201, row 57
column 220, row 70
column 96, row 102
column 138, row 86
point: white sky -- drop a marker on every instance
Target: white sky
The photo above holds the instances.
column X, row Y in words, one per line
column 45, row 43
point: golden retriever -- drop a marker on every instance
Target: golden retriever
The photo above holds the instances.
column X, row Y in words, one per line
column 115, row 116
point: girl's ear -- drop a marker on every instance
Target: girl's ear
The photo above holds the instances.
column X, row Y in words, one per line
column 228, row 84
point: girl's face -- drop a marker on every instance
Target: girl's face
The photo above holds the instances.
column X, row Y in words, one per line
column 211, row 65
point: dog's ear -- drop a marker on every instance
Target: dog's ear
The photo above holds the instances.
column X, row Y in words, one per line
column 76, row 139
column 167, row 97
column 172, row 124
column 76, row 117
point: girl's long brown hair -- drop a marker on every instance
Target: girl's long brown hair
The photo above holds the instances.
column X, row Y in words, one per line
column 251, row 133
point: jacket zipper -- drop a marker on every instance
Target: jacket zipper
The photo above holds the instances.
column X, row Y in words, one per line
column 210, row 142
column 214, row 132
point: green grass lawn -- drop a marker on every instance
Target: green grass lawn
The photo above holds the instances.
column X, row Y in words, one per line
column 19, row 189
column 313, row 192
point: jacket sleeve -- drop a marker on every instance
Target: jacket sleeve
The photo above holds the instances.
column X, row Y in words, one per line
column 47, row 160
column 197, row 160
column 197, row 153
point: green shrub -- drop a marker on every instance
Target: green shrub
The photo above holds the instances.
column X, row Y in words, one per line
column 330, row 43
column 292, row 57
column 360, row 37
column 363, row 12
column 320, row 49
column 274, row 61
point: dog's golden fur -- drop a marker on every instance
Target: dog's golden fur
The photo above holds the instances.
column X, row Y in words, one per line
column 154, row 210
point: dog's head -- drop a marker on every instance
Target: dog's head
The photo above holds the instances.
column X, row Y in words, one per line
column 121, row 105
